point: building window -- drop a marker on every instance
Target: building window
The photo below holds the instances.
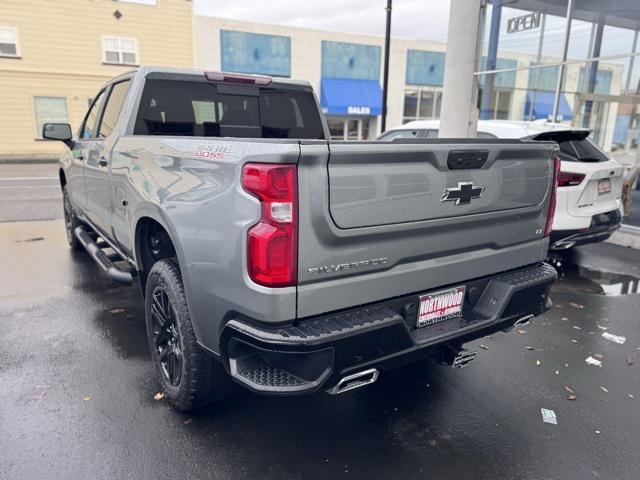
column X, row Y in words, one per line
column 421, row 104
column 9, row 42
column 49, row 110
column 255, row 53
column 120, row 51
column 425, row 68
column 350, row 60
column 500, row 103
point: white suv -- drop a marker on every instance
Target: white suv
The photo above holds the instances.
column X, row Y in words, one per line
column 589, row 201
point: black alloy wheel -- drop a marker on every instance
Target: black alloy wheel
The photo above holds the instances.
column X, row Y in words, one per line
column 166, row 336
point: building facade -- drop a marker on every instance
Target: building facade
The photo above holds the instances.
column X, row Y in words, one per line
column 344, row 69
column 346, row 73
column 55, row 56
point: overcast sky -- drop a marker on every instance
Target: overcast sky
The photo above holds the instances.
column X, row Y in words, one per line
column 412, row 19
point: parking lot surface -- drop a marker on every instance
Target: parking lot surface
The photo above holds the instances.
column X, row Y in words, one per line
column 77, row 396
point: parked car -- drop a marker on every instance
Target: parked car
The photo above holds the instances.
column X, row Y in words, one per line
column 589, row 207
column 272, row 257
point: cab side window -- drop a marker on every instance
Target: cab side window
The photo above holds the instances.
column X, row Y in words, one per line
column 89, row 126
column 112, row 109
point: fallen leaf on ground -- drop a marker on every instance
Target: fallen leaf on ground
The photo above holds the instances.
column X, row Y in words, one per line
column 631, row 359
column 521, row 332
column 529, row 348
column 571, row 397
column 116, row 310
column 484, row 347
column 593, row 361
column 577, row 327
column 188, row 421
column 576, row 305
column 158, row 396
column 564, row 319
column 619, row 339
column 604, row 390
column 568, row 389
column 630, row 396
column 574, row 340
column 566, row 365
column 86, row 399
column 601, row 327
column 599, row 355
column 538, row 363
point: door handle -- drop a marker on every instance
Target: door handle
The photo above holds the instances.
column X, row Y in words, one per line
column 102, row 162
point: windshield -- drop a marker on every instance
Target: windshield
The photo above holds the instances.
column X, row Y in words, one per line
column 201, row 109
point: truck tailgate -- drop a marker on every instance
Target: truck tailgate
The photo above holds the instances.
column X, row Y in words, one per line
column 378, row 220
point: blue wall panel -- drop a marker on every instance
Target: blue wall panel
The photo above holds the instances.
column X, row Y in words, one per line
column 501, row 80
column 425, row 68
column 255, row 53
column 350, row 60
column 547, row 79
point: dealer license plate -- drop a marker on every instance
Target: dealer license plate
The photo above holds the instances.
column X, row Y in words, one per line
column 439, row 306
column 604, row 186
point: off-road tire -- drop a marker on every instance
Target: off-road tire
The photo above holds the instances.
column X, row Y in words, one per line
column 70, row 221
column 202, row 378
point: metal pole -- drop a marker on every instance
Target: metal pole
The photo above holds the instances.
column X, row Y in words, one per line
column 457, row 99
column 385, row 79
column 537, row 70
column 492, row 55
column 565, row 49
column 627, row 84
column 593, row 71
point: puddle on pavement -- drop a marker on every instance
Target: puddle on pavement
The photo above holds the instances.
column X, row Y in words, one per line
column 574, row 278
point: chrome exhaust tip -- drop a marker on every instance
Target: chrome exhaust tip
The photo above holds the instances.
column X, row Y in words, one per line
column 562, row 245
column 520, row 322
column 357, row 380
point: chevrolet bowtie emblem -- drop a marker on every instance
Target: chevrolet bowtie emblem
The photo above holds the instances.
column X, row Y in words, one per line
column 462, row 194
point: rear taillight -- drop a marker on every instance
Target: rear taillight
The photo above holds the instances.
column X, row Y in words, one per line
column 566, row 179
column 552, row 201
column 272, row 243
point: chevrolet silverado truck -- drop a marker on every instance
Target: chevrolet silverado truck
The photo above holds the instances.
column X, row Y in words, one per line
column 271, row 257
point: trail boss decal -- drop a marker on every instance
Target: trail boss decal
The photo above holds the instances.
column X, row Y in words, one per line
column 213, row 152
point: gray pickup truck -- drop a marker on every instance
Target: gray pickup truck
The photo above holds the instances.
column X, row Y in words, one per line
column 274, row 258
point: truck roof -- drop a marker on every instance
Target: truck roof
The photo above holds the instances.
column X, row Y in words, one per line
column 146, row 70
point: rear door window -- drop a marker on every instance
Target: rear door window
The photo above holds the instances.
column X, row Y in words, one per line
column 201, row 109
column 575, row 146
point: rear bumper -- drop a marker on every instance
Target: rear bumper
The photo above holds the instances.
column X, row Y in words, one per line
column 601, row 227
column 315, row 353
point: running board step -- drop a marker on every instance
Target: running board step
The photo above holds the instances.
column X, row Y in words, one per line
column 104, row 262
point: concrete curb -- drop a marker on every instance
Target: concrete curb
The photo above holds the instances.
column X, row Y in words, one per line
column 16, row 161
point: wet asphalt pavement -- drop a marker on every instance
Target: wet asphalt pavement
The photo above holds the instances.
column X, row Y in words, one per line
column 77, row 384
column 77, row 388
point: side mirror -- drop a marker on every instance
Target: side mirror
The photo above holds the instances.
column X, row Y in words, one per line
column 58, row 131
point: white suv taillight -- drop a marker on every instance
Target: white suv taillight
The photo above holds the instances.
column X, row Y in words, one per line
column 272, row 243
column 552, row 201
